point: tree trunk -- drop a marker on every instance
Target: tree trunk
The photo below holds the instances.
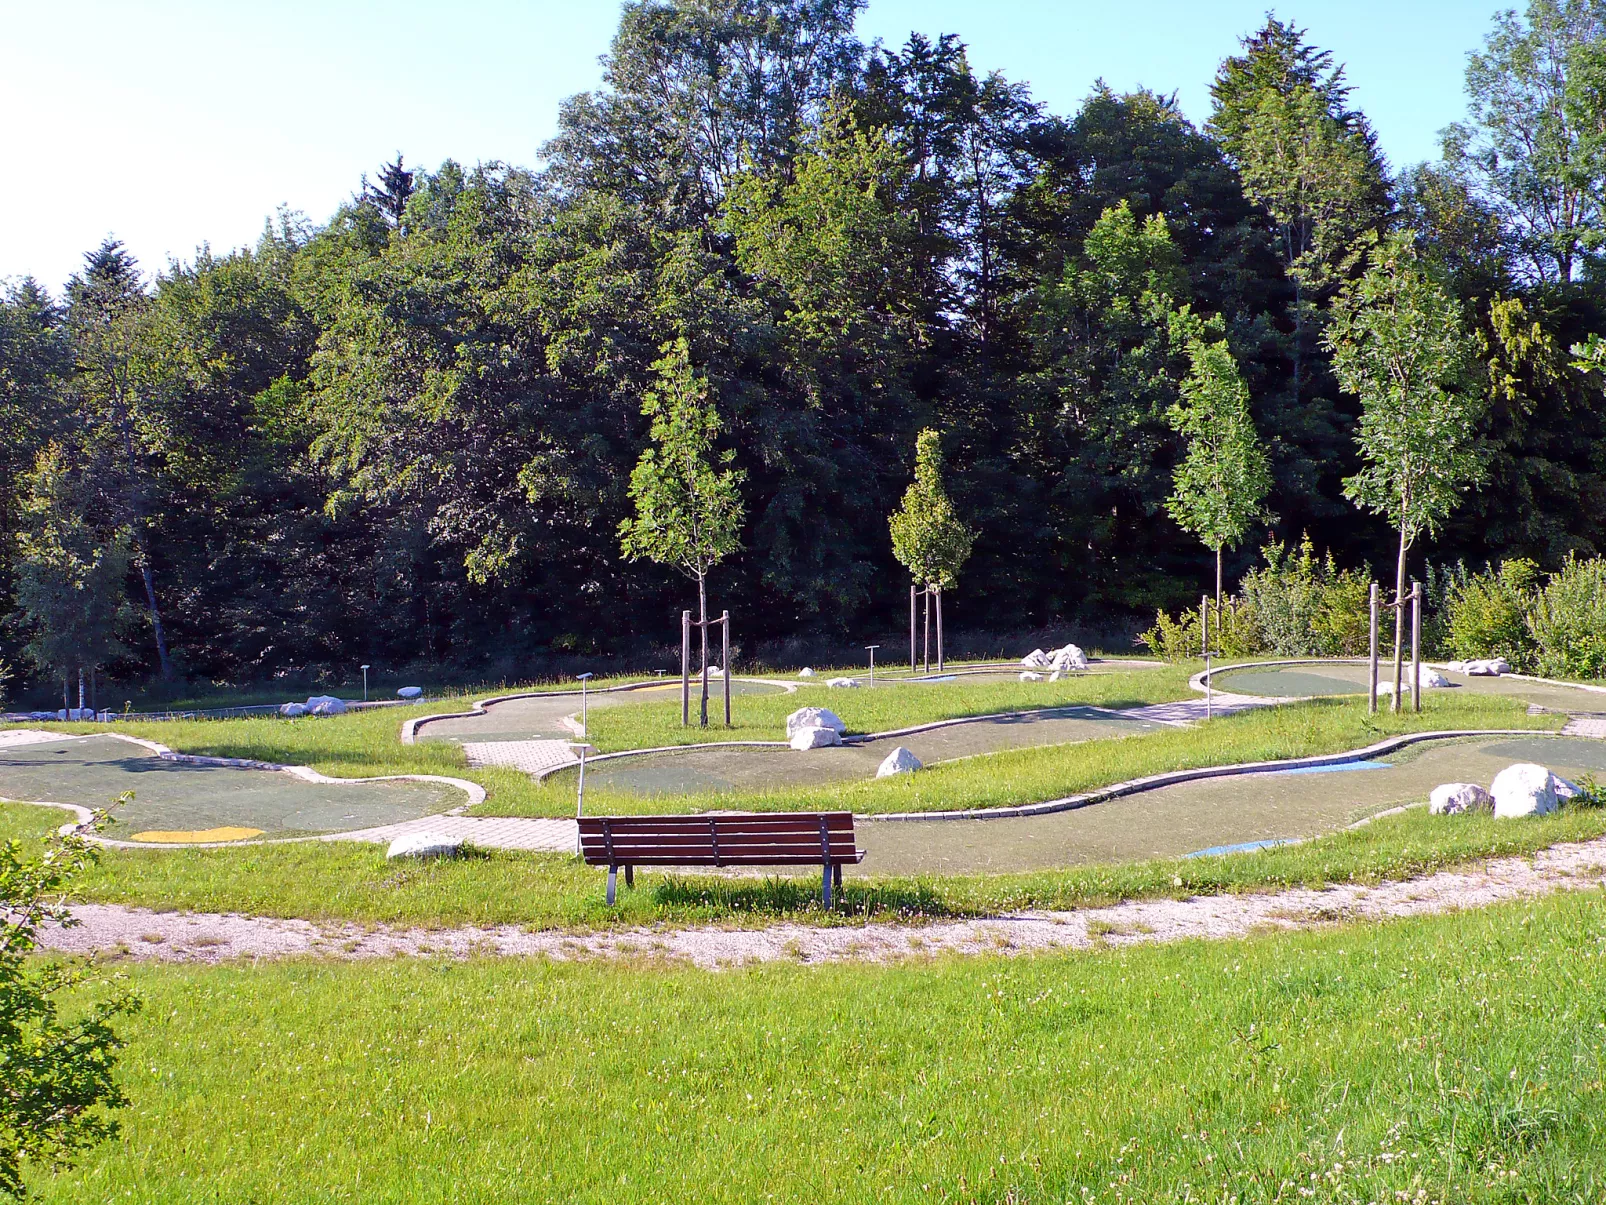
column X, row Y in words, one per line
column 702, row 614
column 1399, row 623
column 136, row 506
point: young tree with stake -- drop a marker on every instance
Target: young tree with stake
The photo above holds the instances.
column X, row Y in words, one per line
column 687, row 497
column 1398, row 344
column 927, row 537
column 1223, row 478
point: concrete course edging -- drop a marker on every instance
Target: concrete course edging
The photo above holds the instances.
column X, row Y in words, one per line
column 1173, row 777
column 409, row 728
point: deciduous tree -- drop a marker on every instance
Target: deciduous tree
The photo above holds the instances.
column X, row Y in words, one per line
column 687, row 496
column 1399, row 345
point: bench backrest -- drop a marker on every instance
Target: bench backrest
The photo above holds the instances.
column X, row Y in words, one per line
column 743, row 839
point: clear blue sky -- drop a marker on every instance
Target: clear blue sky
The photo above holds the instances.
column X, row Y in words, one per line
column 176, row 122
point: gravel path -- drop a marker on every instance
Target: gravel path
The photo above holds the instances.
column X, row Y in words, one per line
column 199, row 937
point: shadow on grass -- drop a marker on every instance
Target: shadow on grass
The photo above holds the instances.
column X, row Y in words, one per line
column 909, row 899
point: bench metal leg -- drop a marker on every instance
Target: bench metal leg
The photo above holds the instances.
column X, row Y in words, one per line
column 613, row 880
column 630, row 876
column 836, row 877
column 825, row 883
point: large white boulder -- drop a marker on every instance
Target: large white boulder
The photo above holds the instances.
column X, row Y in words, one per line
column 1491, row 667
column 1453, row 798
column 1068, row 658
column 843, row 682
column 1036, row 659
column 899, row 761
column 814, row 717
column 1565, row 790
column 292, row 710
column 1524, row 789
column 325, row 705
column 409, row 692
column 1026, row 675
column 1430, row 678
column 815, row 738
column 425, row 845
column 805, row 672
column 713, row 671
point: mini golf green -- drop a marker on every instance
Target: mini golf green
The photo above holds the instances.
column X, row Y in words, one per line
column 1211, row 813
column 540, row 717
column 1349, row 678
column 749, row 768
column 178, row 801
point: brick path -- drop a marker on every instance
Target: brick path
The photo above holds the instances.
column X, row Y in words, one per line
column 533, row 757
column 488, row 832
column 1586, row 725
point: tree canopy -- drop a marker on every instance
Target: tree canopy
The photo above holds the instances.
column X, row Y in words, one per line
column 407, row 434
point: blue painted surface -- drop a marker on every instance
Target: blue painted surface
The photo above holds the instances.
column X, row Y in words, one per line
column 1246, row 847
column 1338, row 769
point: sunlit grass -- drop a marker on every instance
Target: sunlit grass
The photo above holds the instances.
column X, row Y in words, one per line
column 1450, row 1059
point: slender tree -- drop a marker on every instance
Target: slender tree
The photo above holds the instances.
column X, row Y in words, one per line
column 1398, row 345
column 927, row 537
column 687, row 497
column 1222, row 480
column 1308, row 161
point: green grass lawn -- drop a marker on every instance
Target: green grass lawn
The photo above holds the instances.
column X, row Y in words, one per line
column 340, row 881
column 1458, row 1058
column 1020, row 776
column 655, row 723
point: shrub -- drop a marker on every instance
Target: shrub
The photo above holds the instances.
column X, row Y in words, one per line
column 1178, row 639
column 1304, row 605
column 1486, row 614
column 1568, row 621
column 1439, row 586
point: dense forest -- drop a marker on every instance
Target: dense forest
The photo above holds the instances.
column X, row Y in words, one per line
column 406, row 436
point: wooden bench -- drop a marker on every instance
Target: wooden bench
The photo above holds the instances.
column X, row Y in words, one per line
column 824, row 839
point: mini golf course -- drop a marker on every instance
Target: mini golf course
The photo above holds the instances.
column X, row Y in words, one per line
column 179, row 800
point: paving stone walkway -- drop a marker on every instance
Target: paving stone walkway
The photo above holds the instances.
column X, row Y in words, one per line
column 1586, row 725
column 487, row 832
column 533, row 756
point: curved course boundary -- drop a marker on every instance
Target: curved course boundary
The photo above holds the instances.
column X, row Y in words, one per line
column 409, row 728
column 1197, row 682
column 1173, row 777
column 475, row 792
column 863, row 738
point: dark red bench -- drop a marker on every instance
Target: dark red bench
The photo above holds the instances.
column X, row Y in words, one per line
column 824, row 839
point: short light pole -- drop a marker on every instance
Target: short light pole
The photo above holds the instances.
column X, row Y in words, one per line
column 365, row 670
column 872, row 648
column 584, row 731
column 580, row 749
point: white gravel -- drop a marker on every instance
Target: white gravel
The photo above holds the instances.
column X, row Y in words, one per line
column 201, row 937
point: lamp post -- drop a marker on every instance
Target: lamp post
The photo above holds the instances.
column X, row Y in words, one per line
column 580, row 749
column 872, row 648
column 584, row 731
column 365, row 670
